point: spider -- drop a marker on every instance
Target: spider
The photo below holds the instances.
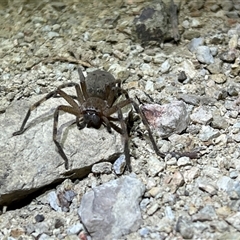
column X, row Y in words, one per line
column 93, row 106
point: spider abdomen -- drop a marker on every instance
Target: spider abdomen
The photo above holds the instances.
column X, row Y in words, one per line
column 97, row 81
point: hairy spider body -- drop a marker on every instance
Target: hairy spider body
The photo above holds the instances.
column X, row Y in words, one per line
column 93, row 106
column 97, row 81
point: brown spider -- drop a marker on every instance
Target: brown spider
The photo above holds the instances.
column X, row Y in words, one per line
column 93, row 106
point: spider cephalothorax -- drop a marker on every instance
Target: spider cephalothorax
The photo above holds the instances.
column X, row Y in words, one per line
column 93, row 105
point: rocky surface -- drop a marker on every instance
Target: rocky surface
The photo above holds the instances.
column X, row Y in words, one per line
column 35, row 151
column 41, row 45
column 112, row 210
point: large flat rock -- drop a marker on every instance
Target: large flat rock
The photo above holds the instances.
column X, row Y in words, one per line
column 31, row 161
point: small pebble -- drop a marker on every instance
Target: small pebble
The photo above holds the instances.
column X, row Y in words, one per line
column 39, row 218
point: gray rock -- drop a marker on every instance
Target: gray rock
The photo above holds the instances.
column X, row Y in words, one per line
column 195, row 42
column 152, row 23
column 204, row 55
column 234, row 220
column 182, row 76
column 191, row 174
column 207, row 188
column 75, row 229
column 236, row 137
column 99, row 35
column 230, row 235
column 153, row 209
column 41, row 227
column 144, row 232
column 119, row 71
column 219, row 78
column 190, row 34
column 207, row 213
column 216, row 67
column 219, row 122
column 232, row 90
column 233, row 174
column 154, row 166
column 184, row 161
column 207, row 133
column 32, row 156
column 215, row 93
column 232, row 187
column 103, row 167
column 52, row 35
column 169, row 213
column 165, row 66
column 168, row 118
column 53, row 201
column 188, row 67
column 112, row 210
column 149, row 87
column 45, row 236
column 214, row 51
column 202, row 116
column 159, row 58
column 144, row 203
column 146, row 69
column 190, row 99
column 119, row 165
column 228, row 56
column 185, row 228
column 224, row 183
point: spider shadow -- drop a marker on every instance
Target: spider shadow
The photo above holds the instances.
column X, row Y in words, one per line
column 47, row 116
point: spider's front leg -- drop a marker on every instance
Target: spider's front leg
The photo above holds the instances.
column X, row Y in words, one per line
column 34, row 106
column 124, row 132
column 48, row 96
column 67, row 109
column 145, row 122
column 126, row 140
column 138, row 110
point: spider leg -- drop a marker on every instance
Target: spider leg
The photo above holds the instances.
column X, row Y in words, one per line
column 38, row 103
column 123, row 131
column 114, row 108
column 107, row 123
column 35, row 105
column 67, row 109
column 111, row 92
column 116, row 128
column 79, row 94
column 80, row 124
column 77, row 88
column 83, row 83
column 124, row 103
column 145, row 122
column 68, row 98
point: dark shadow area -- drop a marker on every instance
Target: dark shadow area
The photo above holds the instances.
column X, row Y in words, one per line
column 22, row 198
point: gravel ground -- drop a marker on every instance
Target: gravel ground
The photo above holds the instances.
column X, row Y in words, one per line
column 184, row 198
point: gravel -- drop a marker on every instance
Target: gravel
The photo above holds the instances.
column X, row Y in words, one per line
column 41, row 45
